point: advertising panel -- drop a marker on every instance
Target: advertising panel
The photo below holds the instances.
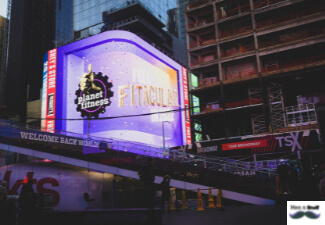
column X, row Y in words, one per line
column 65, row 185
column 275, row 143
column 49, row 90
column 115, row 85
column 44, row 92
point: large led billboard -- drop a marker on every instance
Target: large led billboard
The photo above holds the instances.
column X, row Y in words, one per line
column 115, row 85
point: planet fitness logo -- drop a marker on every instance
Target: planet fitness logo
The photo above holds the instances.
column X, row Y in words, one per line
column 94, row 94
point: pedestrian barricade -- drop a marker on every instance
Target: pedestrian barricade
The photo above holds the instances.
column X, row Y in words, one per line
column 211, row 200
column 184, row 201
column 199, row 201
column 171, row 200
column 219, row 204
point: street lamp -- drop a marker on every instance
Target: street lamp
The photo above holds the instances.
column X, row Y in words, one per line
column 163, row 131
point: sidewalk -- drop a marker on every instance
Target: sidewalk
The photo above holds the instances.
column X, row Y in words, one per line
column 232, row 215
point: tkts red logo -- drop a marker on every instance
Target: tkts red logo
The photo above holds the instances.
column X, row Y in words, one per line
column 39, row 185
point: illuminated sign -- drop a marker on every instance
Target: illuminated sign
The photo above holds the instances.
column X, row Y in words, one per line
column 187, row 111
column 93, row 94
column 58, row 184
column 49, row 90
column 273, row 143
column 125, row 83
column 244, row 144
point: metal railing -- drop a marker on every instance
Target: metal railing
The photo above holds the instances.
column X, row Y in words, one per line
column 211, row 171
column 208, row 162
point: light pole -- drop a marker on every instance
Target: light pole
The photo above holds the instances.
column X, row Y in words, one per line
column 163, row 131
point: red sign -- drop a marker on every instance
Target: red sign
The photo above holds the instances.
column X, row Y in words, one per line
column 186, row 104
column 51, row 91
column 245, row 144
column 41, row 185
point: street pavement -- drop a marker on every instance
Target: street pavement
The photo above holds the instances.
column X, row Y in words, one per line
column 231, row 215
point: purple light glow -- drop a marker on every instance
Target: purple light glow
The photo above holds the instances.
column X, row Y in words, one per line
column 144, row 81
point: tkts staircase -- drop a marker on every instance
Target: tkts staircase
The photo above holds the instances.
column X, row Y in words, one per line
column 188, row 171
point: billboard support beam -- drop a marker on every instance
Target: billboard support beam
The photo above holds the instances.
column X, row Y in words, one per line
column 163, row 132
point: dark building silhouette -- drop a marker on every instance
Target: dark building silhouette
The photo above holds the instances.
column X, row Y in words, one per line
column 36, row 26
column 180, row 18
column 3, row 41
column 138, row 17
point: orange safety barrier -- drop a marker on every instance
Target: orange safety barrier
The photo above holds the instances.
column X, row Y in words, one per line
column 171, row 202
column 184, row 202
column 219, row 204
column 195, row 62
column 211, row 200
column 243, row 102
column 241, row 49
column 208, row 58
column 234, row 32
column 210, row 40
column 232, row 12
column 283, row 66
column 292, row 37
column 199, row 201
column 289, row 16
column 207, row 81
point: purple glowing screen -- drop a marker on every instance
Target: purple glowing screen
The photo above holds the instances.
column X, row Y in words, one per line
column 143, row 81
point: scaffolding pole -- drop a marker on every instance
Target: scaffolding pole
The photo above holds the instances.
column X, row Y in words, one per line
column 258, row 120
column 276, row 107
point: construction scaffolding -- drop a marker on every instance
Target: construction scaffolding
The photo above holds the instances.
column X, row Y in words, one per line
column 254, row 98
column 301, row 114
column 258, row 120
column 258, row 124
column 278, row 118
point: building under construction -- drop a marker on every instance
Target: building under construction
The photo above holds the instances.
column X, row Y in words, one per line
column 257, row 66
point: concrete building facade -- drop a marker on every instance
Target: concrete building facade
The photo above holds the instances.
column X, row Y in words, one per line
column 256, row 66
column 35, row 27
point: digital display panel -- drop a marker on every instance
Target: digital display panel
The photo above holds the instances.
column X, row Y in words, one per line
column 115, row 85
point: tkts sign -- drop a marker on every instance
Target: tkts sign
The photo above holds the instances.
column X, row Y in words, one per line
column 293, row 141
